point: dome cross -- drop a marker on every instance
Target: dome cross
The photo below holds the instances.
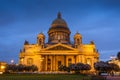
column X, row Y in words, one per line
column 59, row 15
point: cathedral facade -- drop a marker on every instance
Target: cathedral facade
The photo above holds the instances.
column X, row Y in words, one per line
column 58, row 50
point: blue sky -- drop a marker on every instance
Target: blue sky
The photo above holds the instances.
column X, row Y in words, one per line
column 97, row 20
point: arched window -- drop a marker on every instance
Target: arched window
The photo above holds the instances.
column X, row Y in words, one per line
column 58, row 37
column 24, row 50
column 29, row 61
column 69, row 61
column 88, row 61
column 94, row 50
column 78, row 41
column 49, row 64
column 40, row 41
column 59, row 63
column 49, row 61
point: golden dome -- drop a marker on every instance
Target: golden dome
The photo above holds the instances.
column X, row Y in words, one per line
column 59, row 24
column 59, row 21
column 59, row 31
column 41, row 35
column 77, row 35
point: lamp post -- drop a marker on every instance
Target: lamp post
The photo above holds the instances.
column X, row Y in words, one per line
column 12, row 61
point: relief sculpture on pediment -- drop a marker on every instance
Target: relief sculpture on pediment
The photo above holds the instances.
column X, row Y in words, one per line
column 59, row 48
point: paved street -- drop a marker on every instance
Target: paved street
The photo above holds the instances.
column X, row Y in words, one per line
column 113, row 77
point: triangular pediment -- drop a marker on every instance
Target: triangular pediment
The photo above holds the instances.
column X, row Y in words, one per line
column 61, row 47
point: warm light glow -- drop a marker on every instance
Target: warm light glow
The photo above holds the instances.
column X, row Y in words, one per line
column 2, row 67
column 21, row 60
column 41, row 59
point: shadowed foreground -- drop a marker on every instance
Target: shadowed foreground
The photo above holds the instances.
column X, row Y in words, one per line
column 42, row 77
column 113, row 77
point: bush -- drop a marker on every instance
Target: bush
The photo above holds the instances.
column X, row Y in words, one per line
column 79, row 67
column 20, row 68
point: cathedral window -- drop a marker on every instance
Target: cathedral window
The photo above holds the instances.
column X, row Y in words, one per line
column 59, row 63
column 78, row 41
column 58, row 37
column 55, row 36
column 69, row 61
column 94, row 50
column 88, row 61
column 24, row 50
column 76, row 46
column 21, row 60
column 40, row 41
column 49, row 61
column 29, row 61
column 49, row 64
column 42, row 46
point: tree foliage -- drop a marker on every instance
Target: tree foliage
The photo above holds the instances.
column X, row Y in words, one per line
column 79, row 67
column 75, row 67
column 102, row 66
column 118, row 55
column 114, row 67
column 106, row 67
column 63, row 68
column 20, row 68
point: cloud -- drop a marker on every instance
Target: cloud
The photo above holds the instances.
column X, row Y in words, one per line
column 96, row 20
column 6, row 19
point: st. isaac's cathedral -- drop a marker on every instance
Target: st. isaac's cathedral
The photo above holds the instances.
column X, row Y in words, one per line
column 59, row 50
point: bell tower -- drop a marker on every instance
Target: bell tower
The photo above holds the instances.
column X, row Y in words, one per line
column 77, row 40
column 41, row 40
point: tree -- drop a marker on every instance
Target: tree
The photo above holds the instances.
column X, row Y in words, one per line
column 79, row 67
column 72, row 67
column 63, row 68
column 118, row 55
column 114, row 67
column 87, row 67
column 83, row 67
column 34, row 68
column 102, row 67
column 11, row 68
column 20, row 68
column 106, row 67
column 75, row 67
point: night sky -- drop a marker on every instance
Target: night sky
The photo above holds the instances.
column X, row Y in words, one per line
column 97, row 20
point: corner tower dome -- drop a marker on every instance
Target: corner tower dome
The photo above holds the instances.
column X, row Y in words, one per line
column 59, row 31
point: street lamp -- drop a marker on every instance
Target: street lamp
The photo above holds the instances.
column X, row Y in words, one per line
column 12, row 61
